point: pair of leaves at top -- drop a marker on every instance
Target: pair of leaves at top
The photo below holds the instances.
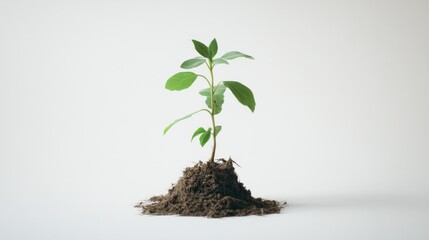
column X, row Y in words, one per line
column 205, row 134
column 207, row 52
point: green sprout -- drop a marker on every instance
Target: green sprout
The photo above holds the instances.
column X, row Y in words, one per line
column 214, row 94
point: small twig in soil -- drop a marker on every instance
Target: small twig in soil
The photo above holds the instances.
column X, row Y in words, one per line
column 224, row 161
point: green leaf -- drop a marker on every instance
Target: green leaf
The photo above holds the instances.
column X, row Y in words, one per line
column 205, row 137
column 217, row 130
column 201, row 48
column 213, row 48
column 180, row 119
column 243, row 94
column 220, row 61
column 192, row 63
column 197, row 132
column 218, row 98
column 180, row 81
column 235, row 54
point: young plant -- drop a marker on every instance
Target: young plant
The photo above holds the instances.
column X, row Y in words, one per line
column 214, row 94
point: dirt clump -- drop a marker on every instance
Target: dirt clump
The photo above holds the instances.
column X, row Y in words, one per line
column 209, row 189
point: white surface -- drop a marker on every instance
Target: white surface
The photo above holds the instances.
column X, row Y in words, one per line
column 309, row 217
column 340, row 131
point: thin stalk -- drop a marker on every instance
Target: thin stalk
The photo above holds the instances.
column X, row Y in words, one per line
column 217, row 85
column 210, row 65
column 207, row 80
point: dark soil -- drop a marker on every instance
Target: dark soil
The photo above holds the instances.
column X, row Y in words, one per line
column 209, row 189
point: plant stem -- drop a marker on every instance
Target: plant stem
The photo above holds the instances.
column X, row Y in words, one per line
column 212, row 89
column 205, row 79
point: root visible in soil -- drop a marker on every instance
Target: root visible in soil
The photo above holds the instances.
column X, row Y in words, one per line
column 209, row 189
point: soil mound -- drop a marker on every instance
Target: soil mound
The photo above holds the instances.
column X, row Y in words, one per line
column 209, row 189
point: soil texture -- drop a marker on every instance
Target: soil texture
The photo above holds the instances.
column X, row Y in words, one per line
column 209, row 189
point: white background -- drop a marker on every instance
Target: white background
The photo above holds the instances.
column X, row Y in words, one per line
column 340, row 131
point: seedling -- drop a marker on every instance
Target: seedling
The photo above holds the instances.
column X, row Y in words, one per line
column 213, row 183
column 214, row 94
